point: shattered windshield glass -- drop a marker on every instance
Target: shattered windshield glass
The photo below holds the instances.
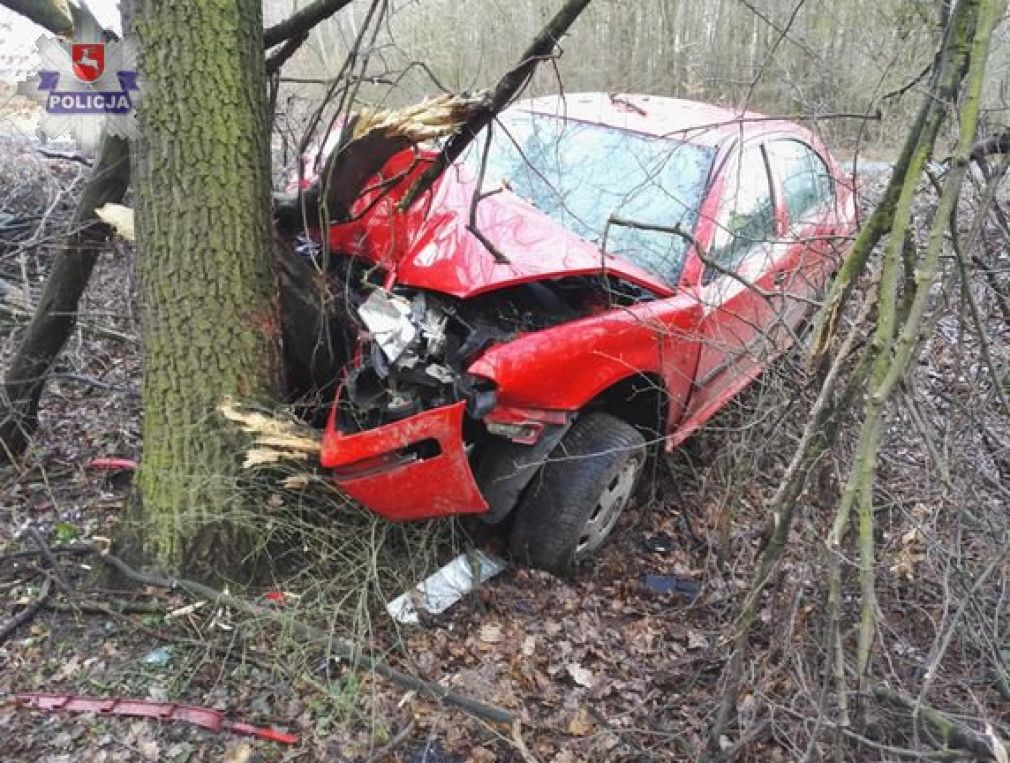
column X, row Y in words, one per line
column 583, row 175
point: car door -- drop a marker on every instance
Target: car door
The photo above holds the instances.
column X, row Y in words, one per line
column 809, row 198
column 744, row 267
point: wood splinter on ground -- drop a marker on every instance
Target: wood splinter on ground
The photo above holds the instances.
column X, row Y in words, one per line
column 274, row 439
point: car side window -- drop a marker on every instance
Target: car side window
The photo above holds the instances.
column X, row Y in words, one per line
column 806, row 180
column 746, row 217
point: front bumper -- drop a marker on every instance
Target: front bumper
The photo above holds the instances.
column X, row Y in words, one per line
column 412, row 469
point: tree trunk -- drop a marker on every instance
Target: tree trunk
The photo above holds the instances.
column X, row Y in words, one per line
column 211, row 321
column 56, row 313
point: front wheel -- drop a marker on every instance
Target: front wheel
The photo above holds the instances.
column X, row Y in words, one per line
column 572, row 504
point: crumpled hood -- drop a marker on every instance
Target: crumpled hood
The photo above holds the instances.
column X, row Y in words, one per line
column 431, row 246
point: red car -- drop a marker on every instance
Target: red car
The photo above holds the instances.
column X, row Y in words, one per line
column 627, row 266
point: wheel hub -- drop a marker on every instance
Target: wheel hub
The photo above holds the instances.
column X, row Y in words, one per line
column 611, row 502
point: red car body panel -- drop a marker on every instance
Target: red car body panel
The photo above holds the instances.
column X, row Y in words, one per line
column 372, row 467
column 698, row 341
column 585, row 357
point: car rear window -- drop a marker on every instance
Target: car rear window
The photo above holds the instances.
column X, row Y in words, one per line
column 583, row 175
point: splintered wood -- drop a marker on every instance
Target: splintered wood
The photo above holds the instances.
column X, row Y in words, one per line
column 274, row 439
column 119, row 217
column 427, row 120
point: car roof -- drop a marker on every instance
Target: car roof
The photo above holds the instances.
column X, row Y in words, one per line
column 688, row 121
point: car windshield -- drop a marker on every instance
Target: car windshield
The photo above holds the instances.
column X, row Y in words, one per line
column 584, row 175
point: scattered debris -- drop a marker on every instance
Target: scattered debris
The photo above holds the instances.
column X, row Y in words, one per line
column 112, row 464
column 186, row 610
column 204, row 717
column 159, row 657
column 582, row 676
column 445, row 587
column 660, row 543
column 672, row 584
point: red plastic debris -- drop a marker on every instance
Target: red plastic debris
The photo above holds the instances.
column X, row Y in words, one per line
column 278, row 597
column 205, row 717
column 112, row 464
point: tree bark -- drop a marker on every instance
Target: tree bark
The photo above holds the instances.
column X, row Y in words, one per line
column 211, row 324
column 56, row 313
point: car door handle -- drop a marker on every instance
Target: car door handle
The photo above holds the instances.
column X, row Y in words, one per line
column 780, row 277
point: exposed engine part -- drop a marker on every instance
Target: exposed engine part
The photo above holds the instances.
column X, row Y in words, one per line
column 416, row 345
column 389, row 319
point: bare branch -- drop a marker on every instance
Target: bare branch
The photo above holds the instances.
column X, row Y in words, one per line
column 54, row 15
column 952, row 733
column 507, row 89
column 301, row 22
column 998, row 144
column 277, row 59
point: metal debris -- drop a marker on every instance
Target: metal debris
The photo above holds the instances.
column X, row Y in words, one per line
column 204, row 717
column 441, row 590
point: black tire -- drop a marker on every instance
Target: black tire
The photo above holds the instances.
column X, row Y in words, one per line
column 566, row 498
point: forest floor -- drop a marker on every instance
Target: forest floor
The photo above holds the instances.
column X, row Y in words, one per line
column 599, row 667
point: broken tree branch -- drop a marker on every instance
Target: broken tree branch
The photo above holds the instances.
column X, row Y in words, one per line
column 301, row 22
column 371, row 138
column 70, row 156
column 505, row 91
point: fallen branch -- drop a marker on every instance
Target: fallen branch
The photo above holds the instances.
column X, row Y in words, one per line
column 951, row 733
column 27, row 614
column 43, row 548
column 102, row 608
column 79, row 549
column 341, row 648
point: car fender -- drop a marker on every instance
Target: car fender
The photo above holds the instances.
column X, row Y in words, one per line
column 567, row 366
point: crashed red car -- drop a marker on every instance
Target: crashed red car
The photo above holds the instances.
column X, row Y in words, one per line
column 637, row 261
